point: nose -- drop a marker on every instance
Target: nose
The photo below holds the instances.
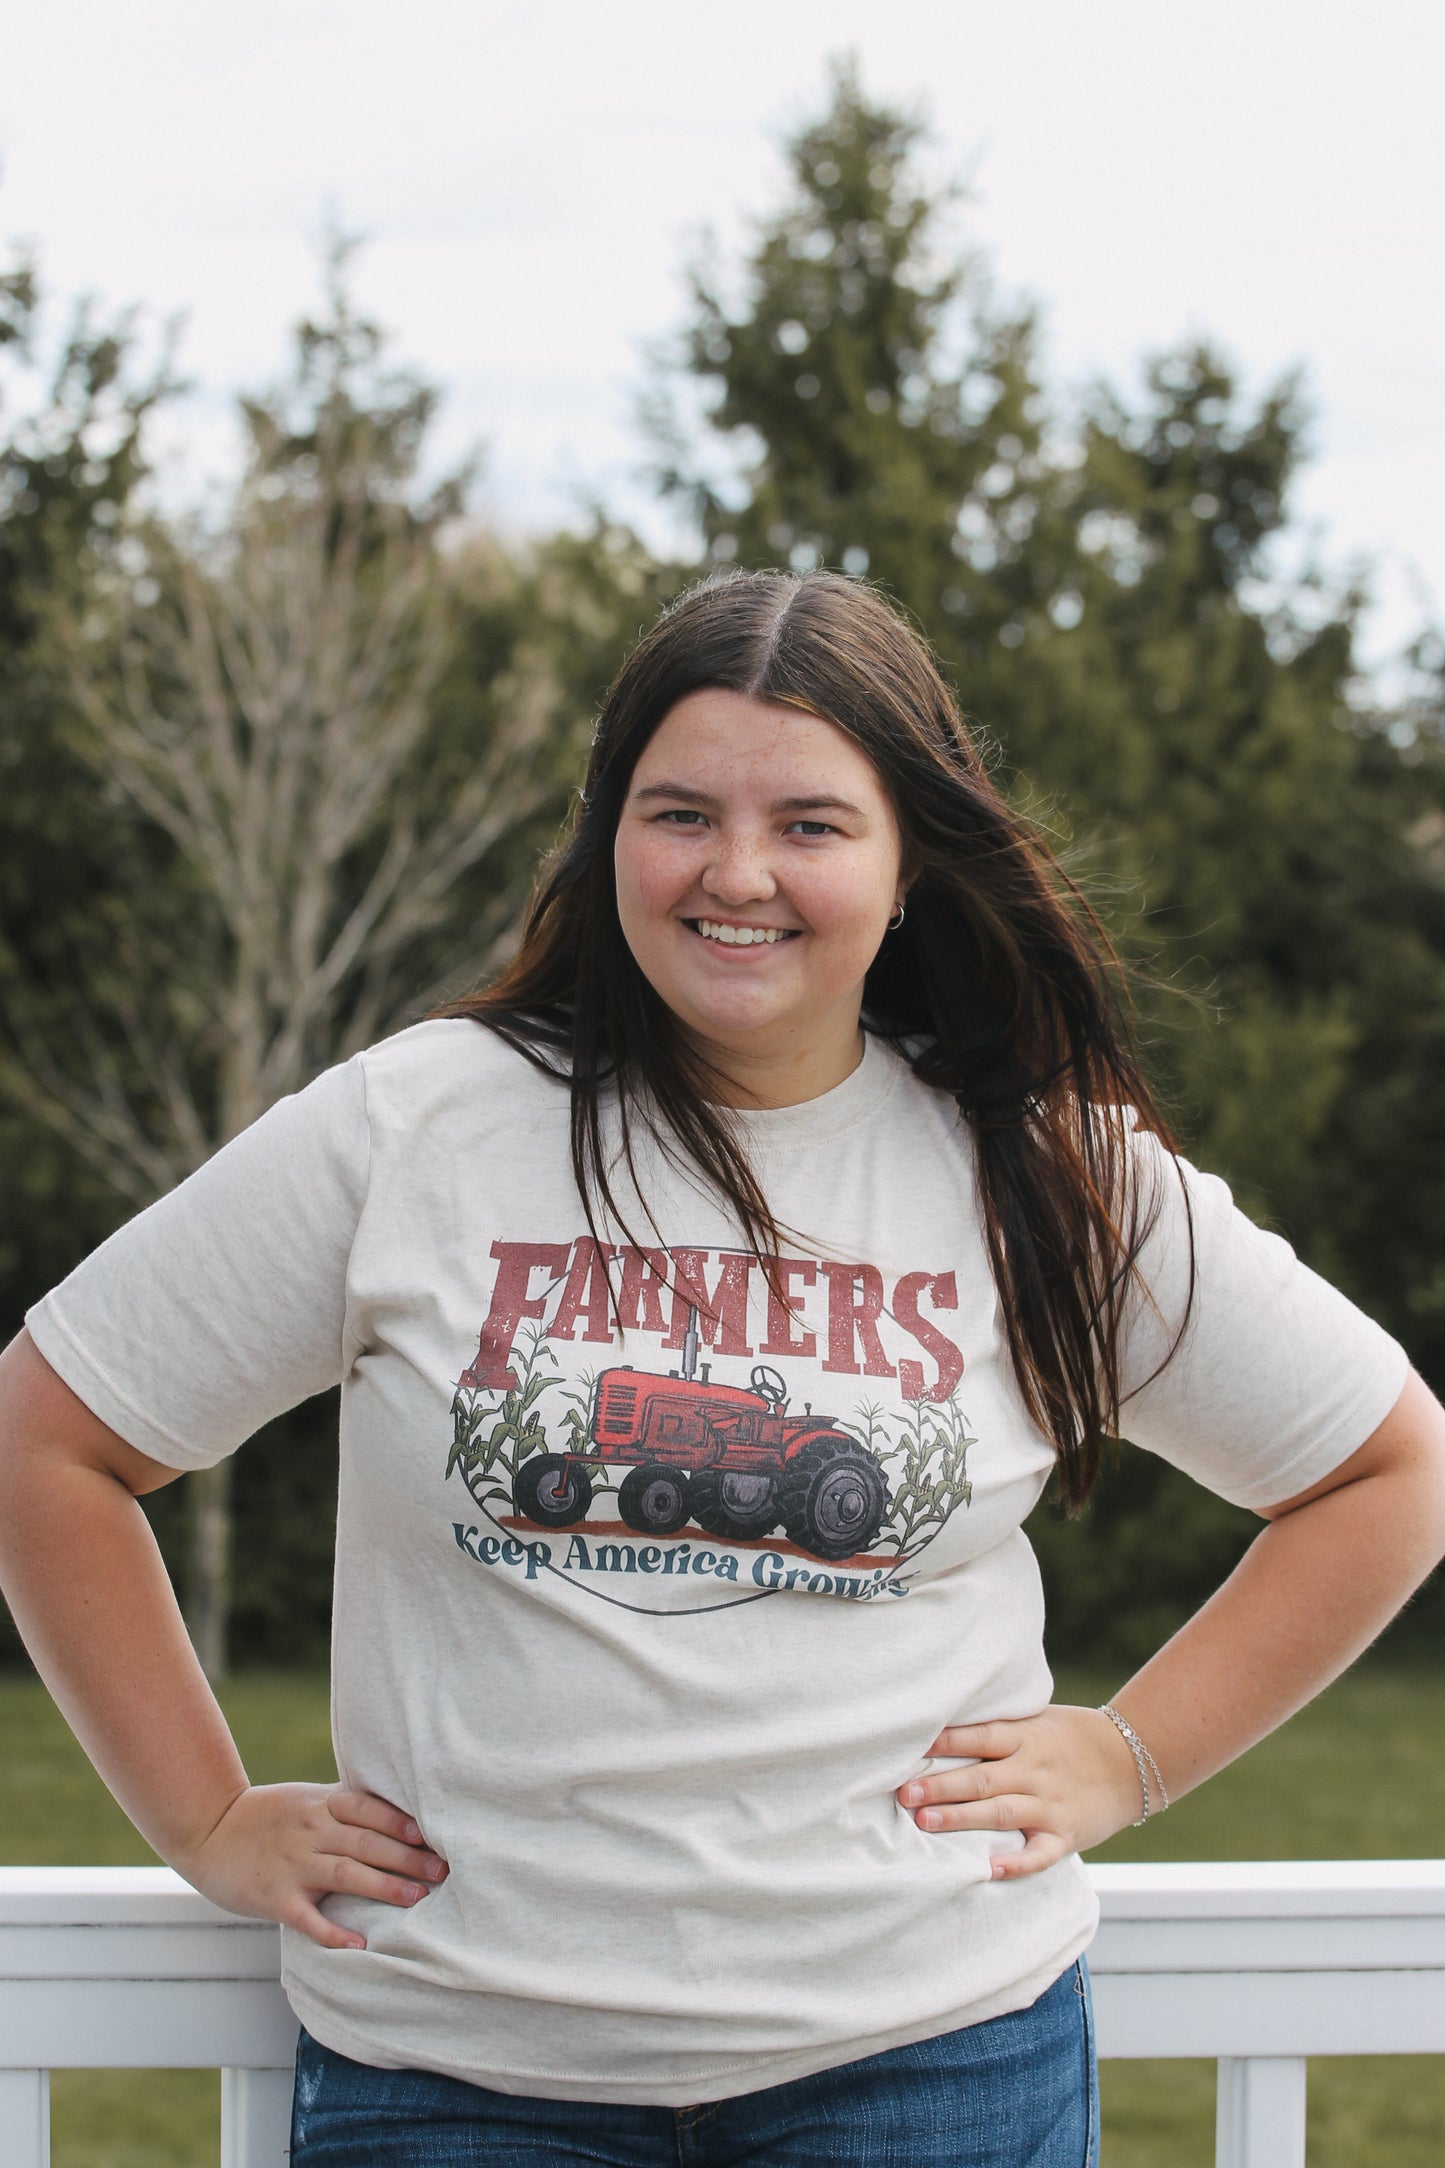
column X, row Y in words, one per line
column 738, row 870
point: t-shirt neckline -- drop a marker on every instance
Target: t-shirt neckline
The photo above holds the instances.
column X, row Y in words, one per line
column 857, row 1099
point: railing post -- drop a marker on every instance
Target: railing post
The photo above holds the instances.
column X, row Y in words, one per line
column 25, row 2118
column 255, row 2118
column 1260, row 2118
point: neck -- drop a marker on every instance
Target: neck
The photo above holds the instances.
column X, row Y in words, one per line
column 781, row 1077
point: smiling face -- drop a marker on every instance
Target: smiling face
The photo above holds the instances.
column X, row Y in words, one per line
column 758, row 860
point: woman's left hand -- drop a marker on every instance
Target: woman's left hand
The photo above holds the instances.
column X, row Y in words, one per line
column 1065, row 1778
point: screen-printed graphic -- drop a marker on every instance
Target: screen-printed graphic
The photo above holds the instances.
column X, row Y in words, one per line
column 572, row 1467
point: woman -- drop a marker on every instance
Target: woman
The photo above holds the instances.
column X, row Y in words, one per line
column 711, row 1300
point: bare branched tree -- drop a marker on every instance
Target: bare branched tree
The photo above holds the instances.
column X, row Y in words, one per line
column 268, row 706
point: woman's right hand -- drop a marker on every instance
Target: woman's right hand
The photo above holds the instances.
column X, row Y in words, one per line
column 279, row 1849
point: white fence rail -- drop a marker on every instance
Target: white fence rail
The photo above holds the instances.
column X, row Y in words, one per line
column 1259, row 1965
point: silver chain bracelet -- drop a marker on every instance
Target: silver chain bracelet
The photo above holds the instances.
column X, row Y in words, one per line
column 1144, row 1762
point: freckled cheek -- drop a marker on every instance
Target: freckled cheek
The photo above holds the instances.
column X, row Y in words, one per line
column 641, row 874
column 650, row 885
column 845, row 911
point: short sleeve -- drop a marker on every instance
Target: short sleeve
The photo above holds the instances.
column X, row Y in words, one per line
column 1277, row 1377
column 225, row 1303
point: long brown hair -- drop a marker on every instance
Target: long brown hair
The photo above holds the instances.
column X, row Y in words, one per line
column 1000, row 979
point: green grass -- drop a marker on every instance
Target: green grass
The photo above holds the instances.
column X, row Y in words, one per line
column 54, row 1810
column 1358, row 1775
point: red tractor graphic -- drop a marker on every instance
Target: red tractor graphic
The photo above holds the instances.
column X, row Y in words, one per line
column 729, row 1458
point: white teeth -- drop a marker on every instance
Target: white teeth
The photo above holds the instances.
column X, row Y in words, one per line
column 740, row 936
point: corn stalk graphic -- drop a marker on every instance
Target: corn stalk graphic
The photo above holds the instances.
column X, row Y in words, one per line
column 493, row 1433
column 926, row 1465
column 577, row 1425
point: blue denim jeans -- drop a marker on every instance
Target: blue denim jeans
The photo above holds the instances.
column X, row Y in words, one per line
column 1013, row 2092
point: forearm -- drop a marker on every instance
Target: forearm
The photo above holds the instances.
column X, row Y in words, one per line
column 1312, row 1592
column 94, row 1606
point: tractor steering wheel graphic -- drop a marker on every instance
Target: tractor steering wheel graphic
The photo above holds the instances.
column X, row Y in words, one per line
column 768, row 1383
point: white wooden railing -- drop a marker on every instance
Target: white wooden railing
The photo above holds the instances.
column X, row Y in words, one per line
column 1259, row 1965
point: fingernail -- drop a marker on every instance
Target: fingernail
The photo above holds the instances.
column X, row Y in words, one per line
column 413, row 1833
column 930, row 1818
column 355, row 1942
column 415, row 1891
column 912, row 1794
column 435, row 1869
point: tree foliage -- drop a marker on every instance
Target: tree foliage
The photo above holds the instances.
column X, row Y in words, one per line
column 78, row 872
column 336, row 753
column 1101, row 585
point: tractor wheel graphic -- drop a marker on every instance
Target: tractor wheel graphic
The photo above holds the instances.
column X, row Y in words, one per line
column 734, row 1506
column 552, row 1489
column 832, row 1498
column 654, row 1500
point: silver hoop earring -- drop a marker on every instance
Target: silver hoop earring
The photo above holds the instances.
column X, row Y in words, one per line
column 895, row 923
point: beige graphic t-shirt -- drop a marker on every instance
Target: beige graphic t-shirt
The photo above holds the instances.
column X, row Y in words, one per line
column 646, row 1621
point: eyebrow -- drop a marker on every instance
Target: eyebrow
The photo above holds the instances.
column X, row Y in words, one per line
column 820, row 804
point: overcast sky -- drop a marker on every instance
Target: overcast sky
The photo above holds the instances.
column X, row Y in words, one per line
column 534, row 179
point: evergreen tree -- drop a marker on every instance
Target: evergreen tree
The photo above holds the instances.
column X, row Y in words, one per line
column 856, row 430
column 1101, row 597
column 1265, row 852
column 76, row 867
column 1263, row 823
